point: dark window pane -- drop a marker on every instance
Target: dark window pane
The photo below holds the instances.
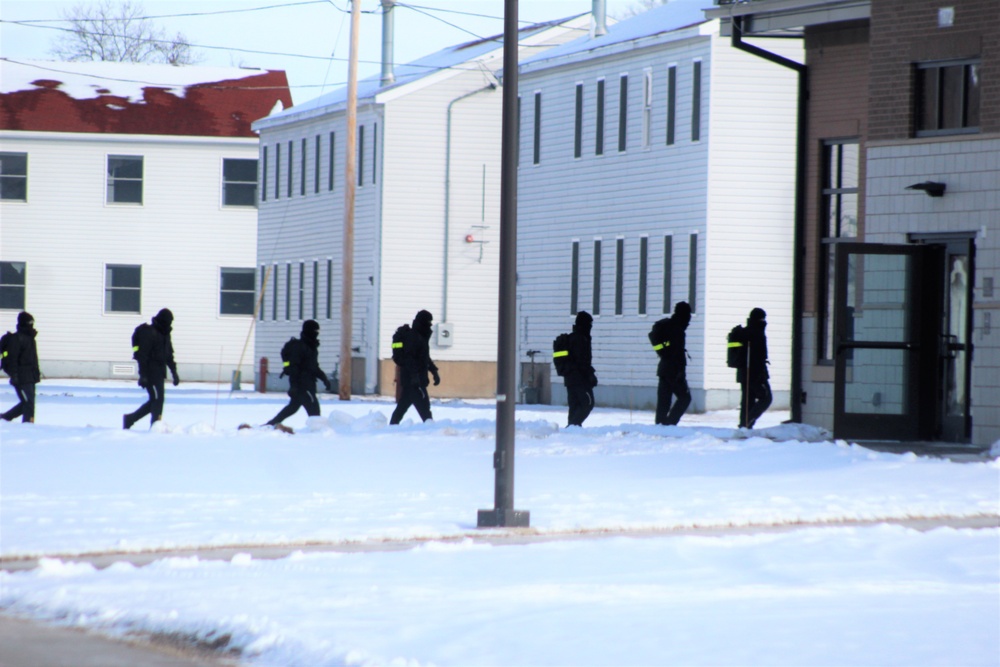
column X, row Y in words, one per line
column 537, row 156
column 972, row 96
column 238, row 279
column 574, row 287
column 597, row 278
column 693, row 274
column 124, row 167
column 599, row 137
column 671, row 104
column 12, row 273
column 952, row 97
column 236, row 303
column 241, row 194
column 578, row 128
column 14, row 187
column 239, row 170
column 124, row 276
column 696, row 108
column 11, row 297
column 619, row 276
column 125, row 192
column 123, row 301
column 12, row 282
column 622, row 112
column 13, row 164
column 643, row 272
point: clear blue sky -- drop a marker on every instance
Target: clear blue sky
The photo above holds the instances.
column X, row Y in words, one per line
column 316, row 28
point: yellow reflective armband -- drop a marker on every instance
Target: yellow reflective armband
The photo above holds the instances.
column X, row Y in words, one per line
column 734, row 345
column 397, row 346
column 560, row 353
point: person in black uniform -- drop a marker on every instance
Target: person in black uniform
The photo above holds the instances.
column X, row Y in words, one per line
column 152, row 348
column 580, row 378
column 414, row 368
column 302, row 368
column 668, row 338
column 756, row 389
column 22, row 360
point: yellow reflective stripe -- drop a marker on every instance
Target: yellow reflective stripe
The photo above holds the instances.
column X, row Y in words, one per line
column 286, row 364
column 659, row 347
column 5, row 353
column 734, row 345
column 560, row 353
column 135, row 348
column 397, row 346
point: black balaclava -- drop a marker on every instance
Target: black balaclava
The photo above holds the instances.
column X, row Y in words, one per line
column 682, row 313
column 310, row 333
column 422, row 323
column 584, row 323
column 26, row 323
column 756, row 319
column 162, row 321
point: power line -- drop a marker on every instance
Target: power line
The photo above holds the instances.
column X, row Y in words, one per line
column 194, row 14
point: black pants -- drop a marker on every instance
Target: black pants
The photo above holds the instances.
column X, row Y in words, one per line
column 153, row 406
column 25, row 408
column 299, row 398
column 417, row 397
column 756, row 399
column 668, row 388
column 581, row 402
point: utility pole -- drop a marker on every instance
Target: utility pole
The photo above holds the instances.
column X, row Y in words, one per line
column 503, row 513
column 347, row 288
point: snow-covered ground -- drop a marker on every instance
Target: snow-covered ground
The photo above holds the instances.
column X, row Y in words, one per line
column 74, row 483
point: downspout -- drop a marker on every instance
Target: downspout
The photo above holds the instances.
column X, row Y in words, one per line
column 388, row 78
column 798, row 237
column 447, row 193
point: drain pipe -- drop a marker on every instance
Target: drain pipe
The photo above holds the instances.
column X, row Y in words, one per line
column 388, row 78
column 798, row 238
column 600, row 14
column 447, row 193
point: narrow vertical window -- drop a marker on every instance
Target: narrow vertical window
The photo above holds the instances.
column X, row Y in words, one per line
column 315, row 290
column 643, row 272
column 263, row 174
column 622, row 112
column 329, row 289
column 839, row 223
column 302, row 290
column 671, row 104
column 274, row 294
column 263, row 277
column 599, row 135
column 537, row 155
column 574, row 284
column 647, row 108
column 361, row 155
column 288, row 292
column 668, row 271
column 302, row 170
column 619, row 276
column 374, row 150
column 578, row 127
column 331, row 160
column 277, row 171
column 319, row 151
column 693, row 273
column 696, row 104
column 597, row 277
column 291, row 168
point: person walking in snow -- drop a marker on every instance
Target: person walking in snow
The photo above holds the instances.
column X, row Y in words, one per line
column 300, row 359
column 580, row 377
column 668, row 338
column 754, row 378
column 154, row 351
column 415, row 363
column 21, row 364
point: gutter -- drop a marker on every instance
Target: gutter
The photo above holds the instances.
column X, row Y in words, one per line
column 798, row 237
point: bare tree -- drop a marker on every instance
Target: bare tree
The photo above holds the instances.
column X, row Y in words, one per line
column 641, row 6
column 119, row 32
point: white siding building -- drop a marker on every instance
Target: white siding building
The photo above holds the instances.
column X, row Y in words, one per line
column 633, row 195
column 119, row 199
column 426, row 215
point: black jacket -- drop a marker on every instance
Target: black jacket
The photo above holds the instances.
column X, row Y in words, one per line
column 670, row 340
column 417, row 361
column 22, row 357
column 580, row 371
column 303, row 366
column 757, row 351
column 154, row 351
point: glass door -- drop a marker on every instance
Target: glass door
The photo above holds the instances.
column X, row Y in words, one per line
column 956, row 342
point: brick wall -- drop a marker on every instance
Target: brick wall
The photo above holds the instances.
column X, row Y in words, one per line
column 904, row 32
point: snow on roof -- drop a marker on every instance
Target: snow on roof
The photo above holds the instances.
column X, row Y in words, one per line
column 674, row 15
column 136, row 98
column 459, row 57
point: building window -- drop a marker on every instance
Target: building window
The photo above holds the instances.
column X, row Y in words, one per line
column 263, row 174
column 319, row 156
column 599, row 136
column 361, row 155
column 374, row 151
column 643, row 272
column 597, row 277
column 239, row 182
column 263, row 284
column 302, row 290
column 671, row 104
column 574, row 279
column 332, row 160
column 302, row 171
column 124, row 179
column 619, row 276
column 288, row 292
column 291, row 168
column 693, row 273
column 122, row 288
column 622, row 112
column 315, row 291
column 277, row 171
column 537, row 155
column 578, row 127
column 947, row 98
column 13, row 278
column 647, row 108
column 329, row 289
column 668, row 271
column 14, row 176
column 696, row 104
column 839, row 201
column 236, row 291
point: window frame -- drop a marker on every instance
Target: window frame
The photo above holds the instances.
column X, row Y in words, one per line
column 244, row 271
column 596, row 296
column 696, row 75
column 574, row 281
column 110, row 290
column 620, row 275
column 6, row 179
column 623, row 113
column 112, row 181
column 578, row 122
column 969, row 68
column 599, row 123
column 239, row 184
column 536, row 155
column 671, row 104
column 647, row 108
column 643, row 273
column 7, row 289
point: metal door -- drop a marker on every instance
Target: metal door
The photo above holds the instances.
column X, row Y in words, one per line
column 956, row 341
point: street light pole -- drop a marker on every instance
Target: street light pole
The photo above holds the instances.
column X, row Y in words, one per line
column 347, row 270
column 503, row 513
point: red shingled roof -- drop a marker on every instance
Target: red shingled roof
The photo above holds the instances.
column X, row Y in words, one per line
column 218, row 108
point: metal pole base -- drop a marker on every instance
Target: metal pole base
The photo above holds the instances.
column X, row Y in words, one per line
column 499, row 518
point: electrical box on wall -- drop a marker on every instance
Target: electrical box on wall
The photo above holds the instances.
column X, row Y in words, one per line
column 445, row 332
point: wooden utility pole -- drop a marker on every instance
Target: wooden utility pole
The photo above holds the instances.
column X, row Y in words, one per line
column 347, row 289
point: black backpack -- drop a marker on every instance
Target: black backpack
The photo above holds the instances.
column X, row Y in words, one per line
column 736, row 347
column 399, row 340
column 7, row 341
column 140, row 339
column 560, row 353
column 289, row 356
column 659, row 336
